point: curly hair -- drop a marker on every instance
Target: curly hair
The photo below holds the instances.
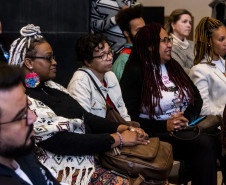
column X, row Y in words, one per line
column 146, row 52
column 203, row 35
column 86, row 44
column 174, row 17
column 124, row 16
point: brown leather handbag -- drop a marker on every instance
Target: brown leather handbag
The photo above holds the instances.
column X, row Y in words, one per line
column 149, row 163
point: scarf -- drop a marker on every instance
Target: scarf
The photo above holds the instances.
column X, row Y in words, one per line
column 183, row 44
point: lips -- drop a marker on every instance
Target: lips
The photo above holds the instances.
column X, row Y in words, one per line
column 53, row 70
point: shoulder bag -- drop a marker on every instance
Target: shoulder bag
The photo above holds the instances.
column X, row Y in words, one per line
column 112, row 114
column 209, row 126
column 143, row 164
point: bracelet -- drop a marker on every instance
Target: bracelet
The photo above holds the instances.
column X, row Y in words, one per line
column 121, row 141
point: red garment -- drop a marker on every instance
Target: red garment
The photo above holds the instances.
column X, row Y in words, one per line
column 126, row 50
column 109, row 100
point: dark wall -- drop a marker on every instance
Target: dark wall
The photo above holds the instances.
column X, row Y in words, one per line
column 61, row 23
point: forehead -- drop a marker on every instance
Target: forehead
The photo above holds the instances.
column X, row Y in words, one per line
column 221, row 31
column 185, row 16
column 44, row 48
column 138, row 22
column 11, row 101
column 163, row 33
column 101, row 47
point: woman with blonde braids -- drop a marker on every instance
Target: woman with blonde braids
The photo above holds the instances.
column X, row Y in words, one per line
column 208, row 74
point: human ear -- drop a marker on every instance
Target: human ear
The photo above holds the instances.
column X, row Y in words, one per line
column 126, row 33
column 172, row 25
column 88, row 64
column 28, row 63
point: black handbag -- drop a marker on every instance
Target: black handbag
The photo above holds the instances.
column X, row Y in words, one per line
column 209, row 125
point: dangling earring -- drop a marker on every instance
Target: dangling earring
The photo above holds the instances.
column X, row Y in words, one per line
column 32, row 79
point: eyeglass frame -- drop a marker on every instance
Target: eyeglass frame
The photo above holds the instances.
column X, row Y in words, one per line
column 50, row 58
column 169, row 40
column 25, row 116
column 110, row 52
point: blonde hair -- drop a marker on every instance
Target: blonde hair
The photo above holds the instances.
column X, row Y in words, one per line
column 203, row 41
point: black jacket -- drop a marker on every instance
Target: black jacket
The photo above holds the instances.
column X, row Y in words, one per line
column 97, row 137
column 37, row 173
column 131, row 86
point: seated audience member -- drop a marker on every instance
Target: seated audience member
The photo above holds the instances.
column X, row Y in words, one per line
column 67, row 136
column 209, row 73
column 162, row 98
column 179, row 26
column 96, row 57
column 17, row 164
column 129, row 21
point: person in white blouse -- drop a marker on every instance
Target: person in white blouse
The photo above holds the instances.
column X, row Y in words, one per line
column 179, row 27
column 208, row 74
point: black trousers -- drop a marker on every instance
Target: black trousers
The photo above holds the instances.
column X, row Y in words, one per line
column 199, row 155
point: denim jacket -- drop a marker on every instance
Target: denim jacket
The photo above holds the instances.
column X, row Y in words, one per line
column 84, row 91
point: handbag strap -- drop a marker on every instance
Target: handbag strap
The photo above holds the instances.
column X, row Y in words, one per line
column 93, row 82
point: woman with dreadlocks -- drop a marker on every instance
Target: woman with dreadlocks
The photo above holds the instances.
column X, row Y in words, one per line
column 209, row 72
column 67, row 136
column 161, row 97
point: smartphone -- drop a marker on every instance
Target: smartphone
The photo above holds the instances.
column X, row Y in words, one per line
column 197, row 121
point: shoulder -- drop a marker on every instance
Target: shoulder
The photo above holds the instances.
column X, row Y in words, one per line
column 111, row 76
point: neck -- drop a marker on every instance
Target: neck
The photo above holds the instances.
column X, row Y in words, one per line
column 214, row 57
column 179, row 36
column 7, row 162
column 100, row 76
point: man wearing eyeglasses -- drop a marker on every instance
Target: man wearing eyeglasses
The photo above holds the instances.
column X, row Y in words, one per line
column 17, row 164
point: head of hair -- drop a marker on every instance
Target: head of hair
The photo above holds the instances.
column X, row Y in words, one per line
column 203, row 38
column 86, row 45
column 10, row 76
column 146, row 52
column 124, row 16
column 25, row 45
column 174, row 17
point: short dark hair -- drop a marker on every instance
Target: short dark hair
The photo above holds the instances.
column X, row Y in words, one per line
column 10, row 76
column 86, row 44
column 124, row 17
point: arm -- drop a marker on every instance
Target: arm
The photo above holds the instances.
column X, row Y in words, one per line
column 119, row 65
column 80, row 90
column 199, row 77
column 131, row 85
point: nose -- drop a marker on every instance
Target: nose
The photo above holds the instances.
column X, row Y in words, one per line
column 31, row 117
column 169, row 44
column 54, row 62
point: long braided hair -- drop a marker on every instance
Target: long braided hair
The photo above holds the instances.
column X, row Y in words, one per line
column 146, row 52
column 25, row 45
column 203, row 41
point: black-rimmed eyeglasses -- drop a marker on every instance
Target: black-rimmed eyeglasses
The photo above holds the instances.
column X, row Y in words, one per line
column 23, row 115
column 105, row 55
column 49, row 58
column 166, row 40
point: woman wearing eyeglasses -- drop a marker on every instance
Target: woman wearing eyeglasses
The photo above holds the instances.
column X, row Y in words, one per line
column 96, row 57
column 162, row 98
column 66, row 135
